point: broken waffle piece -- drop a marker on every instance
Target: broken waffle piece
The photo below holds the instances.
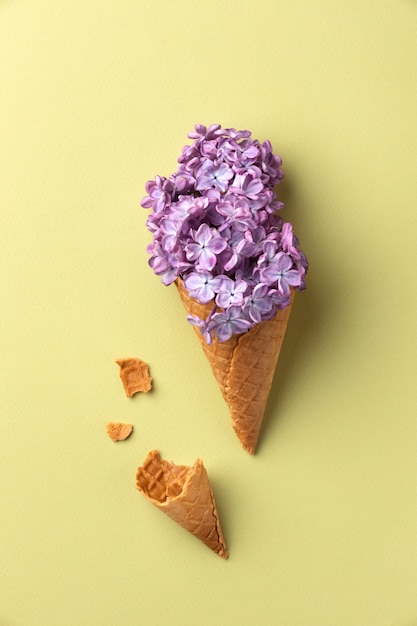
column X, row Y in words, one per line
column 135, row 376
column 184, row 493
column 117, row 431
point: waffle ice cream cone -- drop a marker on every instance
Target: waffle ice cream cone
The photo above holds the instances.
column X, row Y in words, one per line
column 183, row 493
column 243, row 366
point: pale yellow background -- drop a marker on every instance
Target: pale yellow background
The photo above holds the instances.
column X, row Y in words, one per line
column 95, row 99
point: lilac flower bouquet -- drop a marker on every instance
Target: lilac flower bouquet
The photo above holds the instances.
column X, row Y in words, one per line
column 215, row 227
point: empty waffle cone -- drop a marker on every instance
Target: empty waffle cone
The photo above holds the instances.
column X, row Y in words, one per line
column 243, row 366
column 183, row 493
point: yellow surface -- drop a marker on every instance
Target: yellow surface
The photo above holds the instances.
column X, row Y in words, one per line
column 95, row 99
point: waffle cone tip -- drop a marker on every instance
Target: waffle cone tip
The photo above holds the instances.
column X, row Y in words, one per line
column 184, row 494
column 244, row 366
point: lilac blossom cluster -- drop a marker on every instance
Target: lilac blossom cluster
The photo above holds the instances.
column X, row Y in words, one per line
column 215, row 226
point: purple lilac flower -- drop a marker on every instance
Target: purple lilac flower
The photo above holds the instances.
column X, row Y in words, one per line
column 189, row 207
column 230, row 292
column 214, row 224
column 248, row 184
column 158, row 195
column 242, row 246
column 205, row 247
column 167, row 265
column 203, row 325
column 228, row 323
column 237, row 211
column 281, row 271
column 201, row 285
column 201, row 132
column 271, row 164
column 278, row 299
column 170, row 230
column 259, row 303
column 238, row 134
column 242, row 153
column 289, row 242
column 213, row 175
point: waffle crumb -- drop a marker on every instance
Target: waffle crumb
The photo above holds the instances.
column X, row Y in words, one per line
column 135, row 376
column 117, row 431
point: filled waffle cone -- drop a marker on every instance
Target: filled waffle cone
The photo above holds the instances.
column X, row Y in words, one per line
column 183, row 493
column 243, row 366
